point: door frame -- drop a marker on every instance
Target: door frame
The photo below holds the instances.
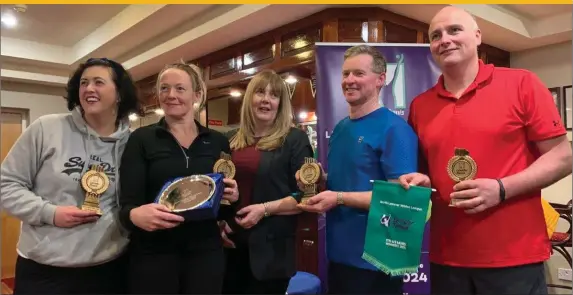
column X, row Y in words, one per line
column 25, row 113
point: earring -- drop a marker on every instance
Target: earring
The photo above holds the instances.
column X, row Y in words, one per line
column 117, row 101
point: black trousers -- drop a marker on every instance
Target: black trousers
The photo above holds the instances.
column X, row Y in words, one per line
column 239, row 278
column 197, row 271
column 523, row 280
column 35, row 278
column 345, row 279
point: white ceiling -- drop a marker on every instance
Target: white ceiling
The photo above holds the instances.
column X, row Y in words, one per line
column 50, row 40
column 63, row 25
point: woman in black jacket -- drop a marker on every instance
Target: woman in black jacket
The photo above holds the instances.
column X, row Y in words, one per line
column 267, row 151
column 167, row 255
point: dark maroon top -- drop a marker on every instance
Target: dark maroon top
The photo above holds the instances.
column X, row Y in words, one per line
column 246, row 161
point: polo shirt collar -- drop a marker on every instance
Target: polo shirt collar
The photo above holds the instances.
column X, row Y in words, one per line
column 485, row 72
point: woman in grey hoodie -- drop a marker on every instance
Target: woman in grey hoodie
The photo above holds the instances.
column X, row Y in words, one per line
column 64, row 249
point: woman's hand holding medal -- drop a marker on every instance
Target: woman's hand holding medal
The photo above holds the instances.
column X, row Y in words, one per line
column 70, row 216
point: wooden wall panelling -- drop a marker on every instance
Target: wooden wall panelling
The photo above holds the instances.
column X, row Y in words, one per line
column 425, row 38
column 302, row 99
column 257, row 55
column 375, row 31
column 147, row 92
column 304, row 31
column 353, row 30
column 234, row 110
column 299, row 41
column 401, row 20
column 224, row 66
column 294, row 49
column 494, row 55
column 280, row 65
column 396, row 33
column 330, row 30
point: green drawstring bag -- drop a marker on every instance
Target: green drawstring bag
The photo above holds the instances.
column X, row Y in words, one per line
column 395, row 228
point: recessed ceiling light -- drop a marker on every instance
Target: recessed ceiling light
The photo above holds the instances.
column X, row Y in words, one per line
column 9, row 20
column 291, row 79
column 235, row 93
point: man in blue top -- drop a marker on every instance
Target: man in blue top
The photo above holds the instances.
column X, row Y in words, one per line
column 371, row 143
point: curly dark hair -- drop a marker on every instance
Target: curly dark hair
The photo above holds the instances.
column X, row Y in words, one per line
column 128, row 103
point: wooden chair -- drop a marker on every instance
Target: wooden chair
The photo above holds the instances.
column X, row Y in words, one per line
column 560, row 241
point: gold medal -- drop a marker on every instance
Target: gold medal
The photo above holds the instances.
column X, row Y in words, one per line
column 461, row 167
column 226, row 167
column 309, row 173
column 95, row 182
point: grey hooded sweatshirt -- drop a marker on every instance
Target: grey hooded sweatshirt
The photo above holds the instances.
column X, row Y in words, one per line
column 43, row 170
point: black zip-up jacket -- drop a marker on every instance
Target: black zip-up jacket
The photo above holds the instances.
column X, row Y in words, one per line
column 153, row 157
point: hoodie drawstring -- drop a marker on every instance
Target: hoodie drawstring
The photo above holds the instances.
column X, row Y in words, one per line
column 116, row 163
column 87, row 144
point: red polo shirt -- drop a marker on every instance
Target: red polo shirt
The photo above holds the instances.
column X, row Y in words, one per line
column 497, row 119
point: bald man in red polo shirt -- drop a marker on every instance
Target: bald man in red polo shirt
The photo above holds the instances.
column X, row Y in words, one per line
column 491, row 138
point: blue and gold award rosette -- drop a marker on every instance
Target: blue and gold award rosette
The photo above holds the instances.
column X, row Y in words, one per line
column 195, row 197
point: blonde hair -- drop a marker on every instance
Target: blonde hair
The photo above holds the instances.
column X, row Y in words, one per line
column 245, row 136
column 196, row 76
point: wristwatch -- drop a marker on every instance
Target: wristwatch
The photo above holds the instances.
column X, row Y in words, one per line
column 339, row 200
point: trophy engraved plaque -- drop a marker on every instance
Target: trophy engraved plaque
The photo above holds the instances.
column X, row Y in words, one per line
column 310, row 174
column 461, row 167
column 95, row 182
column 226, row 167
column 187, row 193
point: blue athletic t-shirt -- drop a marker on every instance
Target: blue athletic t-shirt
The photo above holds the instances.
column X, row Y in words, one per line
column 378, row 146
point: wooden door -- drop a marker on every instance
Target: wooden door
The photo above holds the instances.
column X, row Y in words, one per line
column 11, row 127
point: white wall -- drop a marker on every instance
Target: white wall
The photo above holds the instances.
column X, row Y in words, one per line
column 553, row 64
column 38, row 100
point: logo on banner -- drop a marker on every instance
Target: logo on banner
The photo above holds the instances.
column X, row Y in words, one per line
column 395, row 89
column 399, row 223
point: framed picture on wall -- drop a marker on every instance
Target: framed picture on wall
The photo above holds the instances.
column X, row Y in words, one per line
column 556, row 93
column 568, row 107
